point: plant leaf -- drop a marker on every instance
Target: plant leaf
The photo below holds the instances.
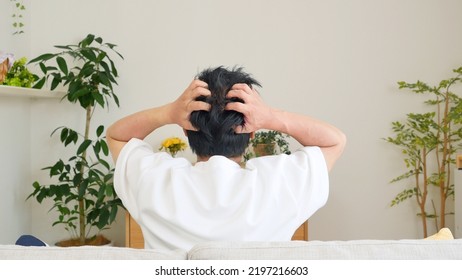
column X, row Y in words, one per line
column 39, row 84
column 63, row 47
column 62, row 65
column 99, row 130
column 89, row 54
column 105, row 148
column 43, row 57
column 87, row 41
column 83, row 146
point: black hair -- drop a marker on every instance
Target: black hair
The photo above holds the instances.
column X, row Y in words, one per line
column 216, row 135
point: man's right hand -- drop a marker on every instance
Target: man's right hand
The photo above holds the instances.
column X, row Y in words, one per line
column 256, row 113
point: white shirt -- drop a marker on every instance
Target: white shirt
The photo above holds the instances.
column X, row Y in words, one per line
column 179, row 204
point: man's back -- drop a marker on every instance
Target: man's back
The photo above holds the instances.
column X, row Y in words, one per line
column 179, row 204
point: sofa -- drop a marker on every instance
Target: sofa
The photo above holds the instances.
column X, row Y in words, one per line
column 434, row 247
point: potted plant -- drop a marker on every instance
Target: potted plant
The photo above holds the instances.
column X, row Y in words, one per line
column 173, row 145
column 268, row 142
column 18, row 75
column 83, row 193
column 429, row 142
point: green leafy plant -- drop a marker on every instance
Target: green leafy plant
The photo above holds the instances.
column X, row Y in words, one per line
column 19, row 75
column 429, row 142
column 269, row 142
column 84, row 192
column 18, row 23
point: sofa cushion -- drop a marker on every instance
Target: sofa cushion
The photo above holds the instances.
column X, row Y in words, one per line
column 330, row 250
column 15, row 252
column 442, row 234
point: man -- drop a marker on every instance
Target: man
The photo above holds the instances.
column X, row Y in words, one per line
column 179, row 204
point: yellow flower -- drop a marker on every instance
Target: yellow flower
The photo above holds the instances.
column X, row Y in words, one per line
column 173, row 145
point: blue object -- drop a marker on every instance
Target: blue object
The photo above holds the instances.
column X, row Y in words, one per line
column 29, row 240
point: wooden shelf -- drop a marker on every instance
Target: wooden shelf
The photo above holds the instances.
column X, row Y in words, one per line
column 21, row 92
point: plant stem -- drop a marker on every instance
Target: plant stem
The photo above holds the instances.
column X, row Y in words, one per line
column 84, row 157
column 422, row 195
column 436, row 216
column 442, row 182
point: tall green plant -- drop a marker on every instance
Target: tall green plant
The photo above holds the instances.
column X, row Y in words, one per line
column 84, row 193
column 429, row 142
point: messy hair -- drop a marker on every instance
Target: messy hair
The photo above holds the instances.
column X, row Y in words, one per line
column 215, row 133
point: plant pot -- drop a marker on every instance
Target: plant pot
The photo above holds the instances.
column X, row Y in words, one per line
column 98, row 240
column 3, row 70
column 264, row 149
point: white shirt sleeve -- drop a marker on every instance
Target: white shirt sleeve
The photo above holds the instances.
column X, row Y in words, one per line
column 314, row 197
column 127, row 172
column 302, row 177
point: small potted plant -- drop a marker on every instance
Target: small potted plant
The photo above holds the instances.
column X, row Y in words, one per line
column 173, row 145
column 18, row 75
column 83, row 193
column 269, row 142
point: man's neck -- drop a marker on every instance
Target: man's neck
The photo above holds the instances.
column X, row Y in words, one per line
column 237, row 159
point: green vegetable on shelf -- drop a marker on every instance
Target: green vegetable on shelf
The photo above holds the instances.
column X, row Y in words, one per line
column 19, row 75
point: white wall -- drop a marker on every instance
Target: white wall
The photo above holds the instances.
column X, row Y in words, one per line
column 335, row 60
column 4, row 24
column 19, row 44
column 14, row 172
column 15, row 153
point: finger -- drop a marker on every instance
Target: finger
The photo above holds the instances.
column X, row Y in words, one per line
column 199, row 106
column 236, row 106
column 189, row 126
column 238, row 94
column 245, row 87
column 198, row 83
column 200, row 91
column 241, row 129
column 196, row 89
